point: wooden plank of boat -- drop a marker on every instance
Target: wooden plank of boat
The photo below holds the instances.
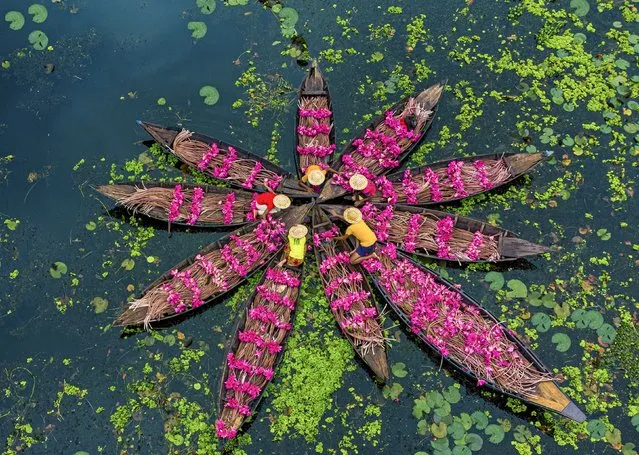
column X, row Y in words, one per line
column 252, row 361
column 137, row 312
column 313, row 94
column 497, row 244
column 153, row 199
column 166, row 137
column 428, row 99
column 369, row 347
column 498, row 168
column 546, row 394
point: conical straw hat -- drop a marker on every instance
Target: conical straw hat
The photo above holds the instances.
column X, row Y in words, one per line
column 281, row 201
column 352, row 215
column 298, row 231
column 358, row 182
column 316, row 177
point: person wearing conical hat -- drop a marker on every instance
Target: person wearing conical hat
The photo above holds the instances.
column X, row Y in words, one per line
column 366, row 187
column 295, row 249
column 366, row 238
column 315, row 176
column 270, row 202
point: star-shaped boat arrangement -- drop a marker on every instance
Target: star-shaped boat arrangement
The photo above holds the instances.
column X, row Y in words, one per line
column 272, row 209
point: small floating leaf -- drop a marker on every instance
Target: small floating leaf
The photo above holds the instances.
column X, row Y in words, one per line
column 456, row 430
column 581, row 7
column 603, row 234
column 393, row 391
column 39, row 13
column 58, row 269
column 607, row 333
column 541, row 321
column 496, row 433
column 198, row 28
column 421, row 407
column 496, row 280
column 562, row 341
column 452, row 395
column 210, row 95
column 99, row 304
column 480, row 419
column 15, row 20
column 128, row 264
column 474, row 441
column 39, row 40
column 517, row 289
column 439, row 430
column 90, row 226
column 161, row 101
column 288, row 16
column 206, row 6
column 399, row 369
column 596, row 428
column 635, row 422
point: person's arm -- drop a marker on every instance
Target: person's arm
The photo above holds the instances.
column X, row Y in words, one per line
column 268, row 188
column 330, row 169
column 356, row 246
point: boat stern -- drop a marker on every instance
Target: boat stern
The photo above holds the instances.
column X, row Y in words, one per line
column 162, row 135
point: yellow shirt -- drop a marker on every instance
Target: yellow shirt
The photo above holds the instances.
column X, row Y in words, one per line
column 363, row 233
column 297, row 248
column 311, row 168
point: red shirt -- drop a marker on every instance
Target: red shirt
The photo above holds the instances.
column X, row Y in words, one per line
column 370, row 189
column 267, row 200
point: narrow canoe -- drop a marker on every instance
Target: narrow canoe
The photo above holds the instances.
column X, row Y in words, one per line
column 499, row 169
column 545, row 391
column 250, row 361
column 166, row 137
column 427, row 100
column 313, row 94
column 153, row 199
column 215, row 289
column 498, row 245
column 369, row 347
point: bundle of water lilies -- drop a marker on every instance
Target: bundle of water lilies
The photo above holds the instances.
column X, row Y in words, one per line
column 251, row 361
column 185, row 203
column 213, row 271
column 434, row 234
column 459, row 331
column 223, row 162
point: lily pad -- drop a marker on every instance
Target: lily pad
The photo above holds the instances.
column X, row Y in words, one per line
column 399, row 369
column 635, row 422
column 461, row 450
column 603, row 234
column 496, row 433
column 15, row 20
column 496, row 280
column 562, row 341
column 288, row 16
column 392, row 391
column 541, row 321
column 480, row 419
column 198, row 28
column 206, row 6
column 128, row 264
column 596, row 428
column 58, row 269
column 39, row 13
column 90, row 226
column 452, row 395
column 161, row 101
column 607, row 333
column 39, row 40
column 82, row 452
column 439, row 430
column 99, row 304
column 421, row 407
column 580, row 7
column 456, row 430
column 518, row 290
column 474, row 442
column 210, row 95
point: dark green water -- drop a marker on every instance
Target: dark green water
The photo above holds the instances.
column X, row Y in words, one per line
column 69, row 382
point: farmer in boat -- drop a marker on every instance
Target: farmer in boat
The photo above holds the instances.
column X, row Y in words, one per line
column 366, row 188
column 295, row 249
column 366, row 238
column 270, row 202
column 315, row 175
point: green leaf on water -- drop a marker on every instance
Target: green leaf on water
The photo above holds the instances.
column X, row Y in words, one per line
column 607, row 333
column 496, row 433
column 15, row 20
column 422, row 427
column 580, row 7
column 439, row 430
column 596, row 428
column 635, row 422
column 90, row 226
column 12, row 225
column 288, row 17
column 461, row 450
column 622, row 64
column 58, row 269
column 161, row 101
column 496, row 280
column 452, row 395
column 421, row 407
column 480, row 419
column 169, row 339
column 603, row 234
column 210, row 95
column 456, row 430
column 392, row 391
column 277, row 8
column 198, row 28
column 39, row 40
column 206, row 6
column 518, row 290
column 99, row 304
column 541, row 321
column 39, row 13
column 82, row 452
column 128, row 264
column 399, row 369
column 474, row 441
column 562, row 341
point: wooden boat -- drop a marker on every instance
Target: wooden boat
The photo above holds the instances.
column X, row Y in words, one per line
column 428, row 100
column 230, row 419
column 546, row 393
column 509, row 166
column 499, row 245
column 313, row 93
column 136, row 314
column 369, row 347
column 166, row 137
column 153, row 199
